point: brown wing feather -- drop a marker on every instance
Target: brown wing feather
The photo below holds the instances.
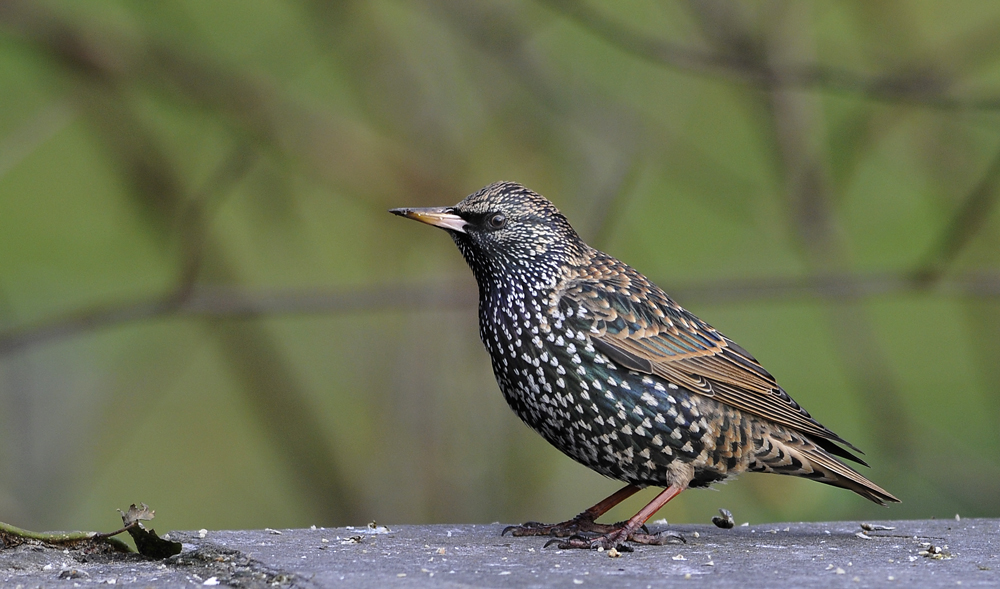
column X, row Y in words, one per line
column 658, row 336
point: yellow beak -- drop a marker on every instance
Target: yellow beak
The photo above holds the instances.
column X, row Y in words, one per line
column 436, row 216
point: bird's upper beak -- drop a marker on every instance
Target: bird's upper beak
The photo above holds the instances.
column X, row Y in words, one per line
column 442, row 217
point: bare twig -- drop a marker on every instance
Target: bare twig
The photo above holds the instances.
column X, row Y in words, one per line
column 899, row 87
column 9, row 532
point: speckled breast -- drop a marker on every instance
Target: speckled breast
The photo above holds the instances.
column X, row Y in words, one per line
column 623, row 424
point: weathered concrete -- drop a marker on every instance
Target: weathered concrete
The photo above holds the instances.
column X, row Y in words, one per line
column 769, row 555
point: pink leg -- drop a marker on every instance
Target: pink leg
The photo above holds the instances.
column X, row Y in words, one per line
column 629, row 531
column 585, row 522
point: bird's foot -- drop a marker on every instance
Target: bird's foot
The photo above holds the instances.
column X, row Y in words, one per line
column 581, row 524
column 618, row 540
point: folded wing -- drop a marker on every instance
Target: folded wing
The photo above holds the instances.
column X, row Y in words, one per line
column 639, row 327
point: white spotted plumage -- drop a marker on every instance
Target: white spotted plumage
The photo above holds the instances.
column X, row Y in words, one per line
column 564, row 325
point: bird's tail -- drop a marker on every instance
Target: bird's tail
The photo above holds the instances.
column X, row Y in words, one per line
column 782, row 451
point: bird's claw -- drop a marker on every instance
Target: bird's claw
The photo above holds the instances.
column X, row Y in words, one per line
column 582, row 523
column 618, row 540
column 614, row 540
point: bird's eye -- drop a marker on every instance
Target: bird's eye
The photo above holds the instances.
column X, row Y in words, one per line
column 496, row 221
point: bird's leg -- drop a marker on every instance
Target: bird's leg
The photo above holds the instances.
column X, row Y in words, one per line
column 630, row 531
column 585, row 522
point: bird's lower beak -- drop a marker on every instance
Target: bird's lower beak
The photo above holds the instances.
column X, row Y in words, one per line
column 437, row 216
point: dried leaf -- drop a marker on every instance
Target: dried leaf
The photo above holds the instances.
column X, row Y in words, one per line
column 135, row 514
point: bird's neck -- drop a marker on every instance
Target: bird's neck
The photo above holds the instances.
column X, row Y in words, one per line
column 508, row 296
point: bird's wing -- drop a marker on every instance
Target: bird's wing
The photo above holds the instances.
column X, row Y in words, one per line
column 637, row 326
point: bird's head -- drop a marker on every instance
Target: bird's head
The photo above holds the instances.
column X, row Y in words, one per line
column 505, row 228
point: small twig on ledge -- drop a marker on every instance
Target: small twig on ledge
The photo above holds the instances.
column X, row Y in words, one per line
column 13, row 535
column 146, row 541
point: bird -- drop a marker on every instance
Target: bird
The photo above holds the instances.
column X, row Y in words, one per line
column 606, row 367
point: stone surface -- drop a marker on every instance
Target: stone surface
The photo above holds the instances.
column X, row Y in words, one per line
column 835, row 554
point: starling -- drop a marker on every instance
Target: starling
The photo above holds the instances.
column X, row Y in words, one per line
column 611, row 371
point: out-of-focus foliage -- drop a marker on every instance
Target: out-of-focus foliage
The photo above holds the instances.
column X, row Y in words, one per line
column 205, row 305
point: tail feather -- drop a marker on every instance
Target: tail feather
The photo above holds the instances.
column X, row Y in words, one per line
column 783, row 451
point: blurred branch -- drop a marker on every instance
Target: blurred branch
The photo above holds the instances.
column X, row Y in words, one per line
column 354, row 157
column 963, row 227
column 801, row 157
column 836, row 287
column 238, row 303
column 556, row 103
column 193, row 218
column 611, row 202
column 220, row 302
column 107, row 67
column 894, row 87
column 284, row 411
column 111, row 71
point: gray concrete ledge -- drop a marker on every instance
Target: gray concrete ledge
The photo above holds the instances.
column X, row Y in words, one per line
column 837, row 554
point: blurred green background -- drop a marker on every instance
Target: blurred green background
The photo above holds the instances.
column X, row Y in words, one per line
column 205, row 306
